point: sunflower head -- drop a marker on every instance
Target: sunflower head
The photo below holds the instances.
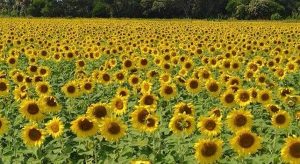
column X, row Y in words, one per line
column 210, row 126
column 113, row 129
column 84, row 126
column 55, row 127
column 208, row 150
column 33, row 136
column 239, row 119
column 290, row 151
column 182, row 124
column 281, row 119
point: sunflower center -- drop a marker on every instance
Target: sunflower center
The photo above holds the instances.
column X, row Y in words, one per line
column 246, row 140
column 265, row 97
column 240, row 120
column 205, row 75
column 194, row 84
column 244, row 96
column 51, row 102
column 210, row 125
column 3, row 86
column 261, row 79
column 43, row 71
column 44, row 89
column 209, row 149
column 280, row 119
column 274, row 108
column 120, row 76
column 229, row 98
column 123, row 93
column 85, row 125
column 179, row 124
column 144, row 62
column 142, row 115
column 106, row 77
column 20, row 78
column 33, row 68
column 150, row 122
column 114, row 128
column 55, row 128
column 71, row 89
column 149, row 100
column 185, row 109
column 285, row 92
column 168, row 90
column 295, row 150
column 34, row 134
column 217, row 112
column 213, row 87
column 88, row 86
column 254, row 94
column 33, row 108
column 0, row 124
column 100, row 111
column 188, row 65
column 135, row 80
column 12, row 61
column 128, row 63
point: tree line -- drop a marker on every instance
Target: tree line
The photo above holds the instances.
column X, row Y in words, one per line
column 240, row 9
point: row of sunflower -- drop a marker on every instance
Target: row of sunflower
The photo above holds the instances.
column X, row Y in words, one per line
column 227, row 89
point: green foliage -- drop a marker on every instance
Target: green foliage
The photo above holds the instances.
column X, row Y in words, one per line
column 276, row 16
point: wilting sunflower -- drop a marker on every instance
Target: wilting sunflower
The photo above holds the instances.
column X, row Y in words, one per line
column 32, row 135
column 71, row 89
column 264, row 96
column 4, row 125
column 31, row 110
column 290, row 151
column 184, row 108
column 168, row 91
column 245, row 142
column 84, row 126
column 228, row 98
column 4, row 87
column 193, row 85
column 50, row 104
column 119, row 105
column 213, row 87
column 182, row 124
column 210, row 126
column 208, row 151
column 243, row 97
column 99, row 111
column 55, row 127
column 239, row 119
column 113, row 129
column 281, row 119
column 149, row 100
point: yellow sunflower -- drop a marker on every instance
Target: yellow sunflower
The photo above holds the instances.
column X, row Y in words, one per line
column 208, row 151
column 264, row 97
column 193, row 86
column 4, row 87
column 210, row 126
column 245, row 142
column 281, row 119
column 113, row 129
column 243, row 97
column 50, row 104
column 33, row 136
column 4, row 125
column 182, row 124
column 213, row 87
column 84, row 126
column 71, row 89
column 239, row 119
column 119, row 105
column 139, row 116
column 55, row 127
column 184, row 108
column 228, row 98
column 99, row 111
column 290, row 151
column 168, row 91
column 149, row 100
column 31, row 110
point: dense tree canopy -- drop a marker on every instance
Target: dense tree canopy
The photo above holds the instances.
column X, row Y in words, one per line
column 241, row 9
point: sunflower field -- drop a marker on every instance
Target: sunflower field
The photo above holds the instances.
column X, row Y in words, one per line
column 149, row 91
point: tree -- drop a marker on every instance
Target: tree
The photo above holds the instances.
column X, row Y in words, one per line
column 263, row 9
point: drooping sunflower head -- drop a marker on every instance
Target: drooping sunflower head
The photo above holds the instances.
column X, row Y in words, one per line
column 55, row 127
column 281, row 119
column 290, row 151
column 239, row 119
column 182, row 124
column 245, row 142
column 113, row 129
column 208, row 150
column 84, row 126
column 210, row 126
column 33, row 136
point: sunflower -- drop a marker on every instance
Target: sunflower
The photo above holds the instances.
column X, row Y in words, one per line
column 71, row 89
column 193, row 86
column 285, row 92
column 272, row 108
column 168, row 91
column 84, row 126
column 245, row 142
column 213, row 87
column 31, row 110
column 149, row 100
column 134, row 81
column 43, row 88
column 228, row 98
column 146, row 87
column 44, row 71
column 210, row 126
column 281, row 119
column 204, row 74
column 264, row 96
column 4, row 125
column 87, row 86
column 20, row 92
column 184, row 108
column 215, row 112
column 151, row 123
column 104, row 78
column 139, row 116
column 33, row 136
column 99, row 111
column 182, row 124
column 239, row 119
column 50, row 104
column 4, row 87
column 243, row 97
column 119, row 105
column 123, row 92
column 165, row 78
column 55, row 127
column 290, row 151
column 120, row 76
column 208, row 151
column 113, row 129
